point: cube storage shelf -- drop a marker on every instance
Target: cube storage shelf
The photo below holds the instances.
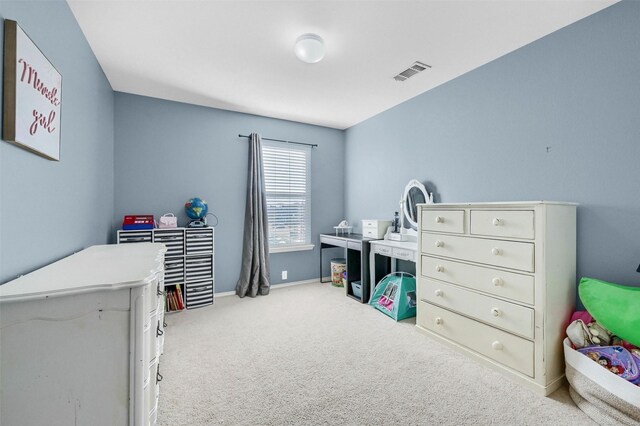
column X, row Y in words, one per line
column 188, row 261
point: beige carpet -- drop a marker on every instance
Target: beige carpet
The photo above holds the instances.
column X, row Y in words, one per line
column 309, row 355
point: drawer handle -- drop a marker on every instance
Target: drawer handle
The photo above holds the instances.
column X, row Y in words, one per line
column 496, row 312
column 439, row 243
column 496, row 251
column 439, row 293
column 159, row 331
column 439, row 321
column 497, row 346
column 439, row 219
column 158, row 376
column 497, row 281
column 497, row 221
column 440, row 268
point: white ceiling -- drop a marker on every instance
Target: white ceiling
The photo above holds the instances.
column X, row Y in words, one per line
column 238, row 55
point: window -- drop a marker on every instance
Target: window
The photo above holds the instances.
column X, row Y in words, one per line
column 288, row 190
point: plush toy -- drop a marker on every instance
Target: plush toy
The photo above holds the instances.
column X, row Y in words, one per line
column 614, row 306
column 599, row 335
column 583, row 335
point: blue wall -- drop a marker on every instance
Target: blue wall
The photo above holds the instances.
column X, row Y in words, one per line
column 167, row 152
column 484, row 137
column 50, row 209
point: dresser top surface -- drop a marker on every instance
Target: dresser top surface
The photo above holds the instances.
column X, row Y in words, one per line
column 499, row 203
column 102, row 267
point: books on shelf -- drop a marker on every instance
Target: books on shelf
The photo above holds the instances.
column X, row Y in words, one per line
column 173, row 300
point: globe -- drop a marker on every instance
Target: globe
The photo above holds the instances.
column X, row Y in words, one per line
column 196, row 208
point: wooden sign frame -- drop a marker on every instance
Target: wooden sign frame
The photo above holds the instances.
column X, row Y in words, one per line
column 32, row 95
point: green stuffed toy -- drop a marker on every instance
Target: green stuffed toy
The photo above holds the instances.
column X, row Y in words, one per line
column 615, row 306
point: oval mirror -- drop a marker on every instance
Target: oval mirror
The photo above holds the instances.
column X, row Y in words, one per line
column 414, row 193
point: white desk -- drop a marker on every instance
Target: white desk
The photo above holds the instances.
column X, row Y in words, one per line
column 404, row 250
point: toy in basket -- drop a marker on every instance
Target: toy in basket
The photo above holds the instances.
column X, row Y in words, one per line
column 395, row 296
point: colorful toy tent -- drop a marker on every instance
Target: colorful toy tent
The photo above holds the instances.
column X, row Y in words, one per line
column 395, row 295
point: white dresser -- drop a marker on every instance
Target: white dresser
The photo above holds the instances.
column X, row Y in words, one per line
column 80, row 339
column 497, row 281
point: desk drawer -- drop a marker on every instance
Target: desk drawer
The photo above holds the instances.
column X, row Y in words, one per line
column 383, row 250
column 498, row 313
column 337, row 242
column 503, row 223
column 402, row 253
column 354, row 245
column 507, row 254
column 443, row 221
column 518, row 287
column 507, row 349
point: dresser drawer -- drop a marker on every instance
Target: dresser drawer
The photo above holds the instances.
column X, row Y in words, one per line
column 507, row 316
column 384, row 250
column 507, row 349
column 503, row 223
column 508, row 254
column 518, row 287
column 443, row 221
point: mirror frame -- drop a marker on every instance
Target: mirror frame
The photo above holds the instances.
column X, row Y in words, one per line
column 406, row 218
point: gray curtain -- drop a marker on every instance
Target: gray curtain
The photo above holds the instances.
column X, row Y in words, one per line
column 254, row 275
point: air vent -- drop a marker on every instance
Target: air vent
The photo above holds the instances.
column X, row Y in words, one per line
column 411, row 71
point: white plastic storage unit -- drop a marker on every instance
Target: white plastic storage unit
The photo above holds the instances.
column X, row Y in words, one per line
column 375, row 229
column 80, row 339
column 497, row 281
column 188, row 262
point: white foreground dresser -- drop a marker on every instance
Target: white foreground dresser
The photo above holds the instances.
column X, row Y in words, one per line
column 80, row 339
column 497, row 281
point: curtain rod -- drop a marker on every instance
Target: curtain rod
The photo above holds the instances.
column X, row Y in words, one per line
column 312, row 145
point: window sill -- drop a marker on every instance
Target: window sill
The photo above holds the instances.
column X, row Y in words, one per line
column 286, row 249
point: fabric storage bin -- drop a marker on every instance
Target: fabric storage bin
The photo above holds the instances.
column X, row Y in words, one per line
column 338, row 267
column 356, row 289
column 603, row 396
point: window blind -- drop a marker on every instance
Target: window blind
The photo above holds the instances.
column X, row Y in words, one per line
column 288, row 192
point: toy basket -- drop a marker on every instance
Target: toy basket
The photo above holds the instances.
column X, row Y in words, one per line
column 603, row 396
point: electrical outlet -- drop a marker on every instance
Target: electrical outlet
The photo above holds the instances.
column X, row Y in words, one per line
column 284, row 275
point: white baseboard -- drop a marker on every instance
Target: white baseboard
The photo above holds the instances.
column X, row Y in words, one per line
column 274, row 287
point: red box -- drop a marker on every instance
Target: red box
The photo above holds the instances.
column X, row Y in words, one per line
column 132, row 222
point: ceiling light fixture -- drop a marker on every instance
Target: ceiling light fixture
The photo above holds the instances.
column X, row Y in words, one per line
column 310, row 48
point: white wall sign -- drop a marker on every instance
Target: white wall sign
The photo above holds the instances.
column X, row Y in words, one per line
column 32, row 95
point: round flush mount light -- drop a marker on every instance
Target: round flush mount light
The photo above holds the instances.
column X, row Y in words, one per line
column 310, row 48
